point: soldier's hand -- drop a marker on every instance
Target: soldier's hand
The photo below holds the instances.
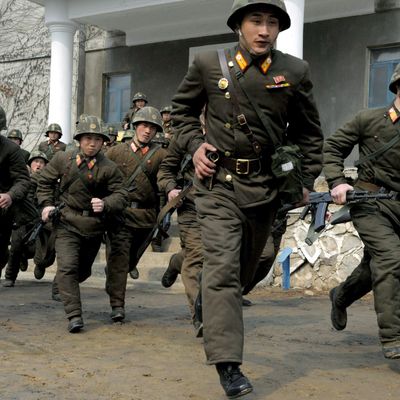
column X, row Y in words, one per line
column 204, row 167
column 174, row 193
column 339, row 192
column 45, row 213
column 5, row 200
column 97, row 205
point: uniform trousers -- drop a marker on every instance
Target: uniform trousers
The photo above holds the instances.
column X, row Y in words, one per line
column 192, row 264
column 19, row 252
column 121, row 258
column 356, row 285
column 233, row 239
column 6, row 221
column 378, row 224
column 75, row 257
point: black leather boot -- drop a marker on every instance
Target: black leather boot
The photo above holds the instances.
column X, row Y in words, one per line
column 338, row 314
column 232, row 380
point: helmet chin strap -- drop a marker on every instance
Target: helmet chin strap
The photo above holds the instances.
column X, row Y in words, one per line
column 138, row 142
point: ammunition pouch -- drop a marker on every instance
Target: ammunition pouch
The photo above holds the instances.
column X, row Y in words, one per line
column 286, row 168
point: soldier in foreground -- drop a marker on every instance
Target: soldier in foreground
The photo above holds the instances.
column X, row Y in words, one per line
column 91, row 189
column 236, row 196
column 139, row 160
column 14, row 186
column 53, row 144
column 377, row 134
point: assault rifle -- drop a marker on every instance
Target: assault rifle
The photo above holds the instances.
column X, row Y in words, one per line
column 163, row 220
column 31, row 236
column 318, row 206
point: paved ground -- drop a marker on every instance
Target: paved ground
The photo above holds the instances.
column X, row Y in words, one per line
column 291, row 351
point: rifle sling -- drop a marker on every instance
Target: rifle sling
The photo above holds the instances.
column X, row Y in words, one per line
column 141, row 164
column 222, row 57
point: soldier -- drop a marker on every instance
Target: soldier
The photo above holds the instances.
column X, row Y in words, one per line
column 139, row 101
column 112, row 134
column 16, row 136
column 139, row 160
column 176, row 172
column 53, row 144
column 236, row 197
column 167, row 122
column 377, row 134
column 20, row 251
column 91, row 189
column 14, row 186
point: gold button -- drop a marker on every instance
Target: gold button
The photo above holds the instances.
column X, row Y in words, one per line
column 227, row 154
column 228, row 125
column 228, row 178
column 227, row 95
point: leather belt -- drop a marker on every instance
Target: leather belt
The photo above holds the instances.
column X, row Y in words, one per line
column 241, row 166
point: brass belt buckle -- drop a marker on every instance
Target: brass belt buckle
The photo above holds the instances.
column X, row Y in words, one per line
column 239, row 163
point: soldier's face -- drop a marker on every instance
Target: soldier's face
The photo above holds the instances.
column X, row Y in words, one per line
column 166, row 116
column 259, row 30
column 16, row 140
column 37, row 164
column 140, row 103
column 54, row 136
column 91, row 144
column 145, row 131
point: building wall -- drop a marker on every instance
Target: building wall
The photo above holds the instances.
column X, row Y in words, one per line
column 337, row 51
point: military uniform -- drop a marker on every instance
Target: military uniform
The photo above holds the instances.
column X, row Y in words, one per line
column 80, row 230
column 140, row 215
column 237, row 213
column 49, row 148
column 17, row 134
column 171, row 176
column 128, row 118
column 14, row 180
column 370, row 130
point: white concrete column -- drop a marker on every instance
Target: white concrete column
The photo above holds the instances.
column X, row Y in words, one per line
column 291, row 40
column 62, row 32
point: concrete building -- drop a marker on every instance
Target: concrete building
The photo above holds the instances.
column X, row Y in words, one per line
column 352, row 47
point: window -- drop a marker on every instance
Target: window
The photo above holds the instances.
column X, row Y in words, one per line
column 382, row 65
column 117, row 97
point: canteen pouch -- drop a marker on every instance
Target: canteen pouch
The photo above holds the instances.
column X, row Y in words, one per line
column 286, row 168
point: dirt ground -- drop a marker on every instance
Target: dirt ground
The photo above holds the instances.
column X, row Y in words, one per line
column 291, row 351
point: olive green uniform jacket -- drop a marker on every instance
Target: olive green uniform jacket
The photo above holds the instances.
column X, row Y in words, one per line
column 291, row 105
column 77, row 215
column 50, row 149
column 142, row 198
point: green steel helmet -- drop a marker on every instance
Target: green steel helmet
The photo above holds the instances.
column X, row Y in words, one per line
column 54, row 128
column 139, row 96
column 149, row 114
column 166, row 109
column 81, row 118
column 91, row 124
column 37, row 154
column 240, row 7
column 127, row 135
column 112, row 130
column 15, row 134
column 3, row 119
column 394, row 82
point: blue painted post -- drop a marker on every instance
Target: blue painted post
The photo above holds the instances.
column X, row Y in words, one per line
column 284, row 259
